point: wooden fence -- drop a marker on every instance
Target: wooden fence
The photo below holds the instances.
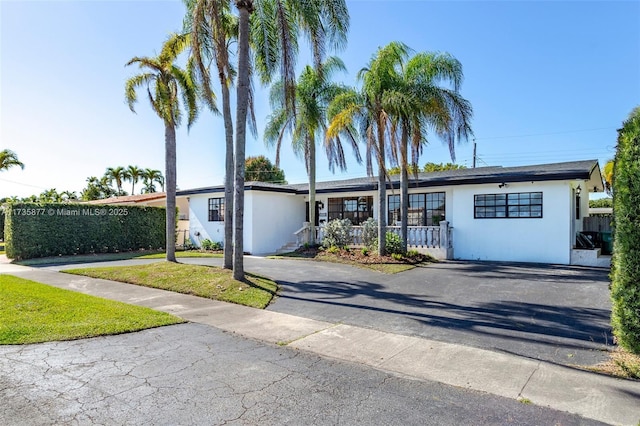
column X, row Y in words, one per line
column 597, row 224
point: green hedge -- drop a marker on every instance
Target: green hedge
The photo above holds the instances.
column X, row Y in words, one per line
column 625, row 267
column 1, row 224
column 40, row 230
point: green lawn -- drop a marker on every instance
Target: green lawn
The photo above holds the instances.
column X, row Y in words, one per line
column 204, row 281
column 31, row 312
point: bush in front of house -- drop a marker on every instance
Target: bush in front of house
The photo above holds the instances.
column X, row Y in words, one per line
column 393, row 244
column 210, row 245
column 337, row 233
column 370, row 233
column 625, row 266
column 55, row 229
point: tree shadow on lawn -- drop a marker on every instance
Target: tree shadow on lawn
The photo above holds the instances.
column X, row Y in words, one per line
column 565, row 326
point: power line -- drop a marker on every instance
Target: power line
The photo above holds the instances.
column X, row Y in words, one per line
column 546, row 134
column 23, row 184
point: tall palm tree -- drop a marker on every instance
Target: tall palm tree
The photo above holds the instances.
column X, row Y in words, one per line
column 364, row 112
column 166, row 83
column 273, row 31
column 9, row 159
column 149, row 178
column 134, row 173
column 426, row 97
column 314, row 92
column 117, row 175
column 213, row 28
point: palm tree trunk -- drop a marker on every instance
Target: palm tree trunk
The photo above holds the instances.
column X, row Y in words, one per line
column 244, row 9
column 312, row 189
column 404, row 190
column 382, row 193
column 229, row 175
column 170, row 171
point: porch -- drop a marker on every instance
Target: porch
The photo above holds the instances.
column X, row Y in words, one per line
column 435, row 241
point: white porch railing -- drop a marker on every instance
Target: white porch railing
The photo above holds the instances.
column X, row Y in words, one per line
column 418, row 237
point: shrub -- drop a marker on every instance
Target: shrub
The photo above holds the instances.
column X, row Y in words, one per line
column 393, row 244
column 207, row 244
column 1, row 224
column 188, row 245
column 337, row 233
column 333, row 250
column 602, row 202
column 625, row 268
column 396, row 256
column 364, row 251
column 370, row 233
column 413, row 253
column 53, row 229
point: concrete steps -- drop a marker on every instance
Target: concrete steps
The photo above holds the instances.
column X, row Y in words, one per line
column 585, row 257
column 287, row 248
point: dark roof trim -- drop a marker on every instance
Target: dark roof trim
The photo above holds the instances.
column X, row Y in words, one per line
column 575, row 170
column 250, row 186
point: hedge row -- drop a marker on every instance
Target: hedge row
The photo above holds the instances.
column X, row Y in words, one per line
column 625, row 267
column 40, row 230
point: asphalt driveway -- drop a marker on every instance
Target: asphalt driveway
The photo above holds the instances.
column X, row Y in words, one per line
column 553, row 313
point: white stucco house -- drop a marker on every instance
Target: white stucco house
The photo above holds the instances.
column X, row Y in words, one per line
column 527, row 214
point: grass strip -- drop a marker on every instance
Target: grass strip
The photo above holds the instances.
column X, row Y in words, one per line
column 32, row 312
column 198, row 280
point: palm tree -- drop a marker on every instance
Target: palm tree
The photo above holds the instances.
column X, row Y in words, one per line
column 9, row 159
column 607, row 174
column 166, row 83
column 149, row 178
column 212, row 29
column 314, row 92
column 117, row 174
column 69, row 196
column 134, row 173
column 364, row 112
column 275, row 27
column 419, row 102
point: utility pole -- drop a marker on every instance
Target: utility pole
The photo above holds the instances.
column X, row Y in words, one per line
column 474, row 153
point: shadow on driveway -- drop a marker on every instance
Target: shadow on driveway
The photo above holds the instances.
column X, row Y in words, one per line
column 555, row 313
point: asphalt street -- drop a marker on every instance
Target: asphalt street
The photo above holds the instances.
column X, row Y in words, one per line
column 196, row 374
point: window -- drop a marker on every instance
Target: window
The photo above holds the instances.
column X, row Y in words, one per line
column 519, row 204
column 216, row 209
column 356, row 209
column 425, row 209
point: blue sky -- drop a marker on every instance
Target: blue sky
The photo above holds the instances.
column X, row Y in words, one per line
column 549, row 81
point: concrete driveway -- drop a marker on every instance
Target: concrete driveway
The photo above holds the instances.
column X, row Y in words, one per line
column 553, row 313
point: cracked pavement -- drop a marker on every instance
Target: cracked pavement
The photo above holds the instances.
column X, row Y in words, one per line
column 195, row 374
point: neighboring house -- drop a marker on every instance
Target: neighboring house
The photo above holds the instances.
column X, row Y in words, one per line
column 155, row 199
column 528, row 214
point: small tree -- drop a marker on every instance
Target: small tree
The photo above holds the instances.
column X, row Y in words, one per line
column 625, row 270
column 260, row 169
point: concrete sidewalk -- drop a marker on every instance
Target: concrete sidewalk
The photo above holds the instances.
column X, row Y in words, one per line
column 591, row 395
